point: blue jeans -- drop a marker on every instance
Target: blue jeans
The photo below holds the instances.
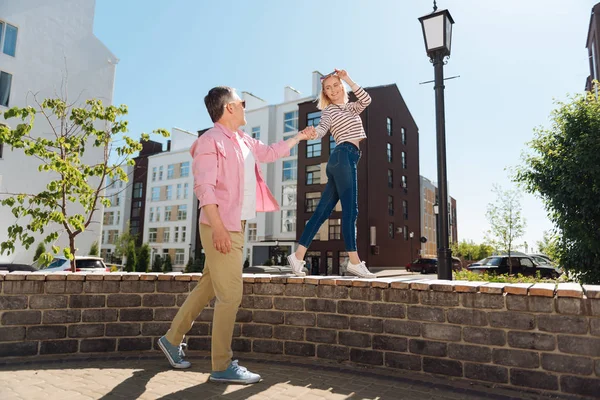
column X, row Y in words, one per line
column 341, row 186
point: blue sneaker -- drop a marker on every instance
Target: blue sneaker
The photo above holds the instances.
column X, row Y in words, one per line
column 174, row 354
column 234, row 374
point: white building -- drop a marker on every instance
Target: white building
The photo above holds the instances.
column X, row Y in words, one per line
column 272, row 123
column 429, row 214
column 40, row 41
column 116, row 217
column 171, row 207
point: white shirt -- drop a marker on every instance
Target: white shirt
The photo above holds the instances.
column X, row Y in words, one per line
column 249, row 199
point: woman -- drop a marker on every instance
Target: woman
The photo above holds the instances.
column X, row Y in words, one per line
column 343, row 120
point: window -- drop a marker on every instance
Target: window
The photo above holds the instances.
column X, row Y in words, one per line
column 391, row 205
column 138, row 189
column 134, row 227
column 154, row 174
column 186, row 187
column 405, row 208
column 152, row 232
column 157, row 214
column 170, row 171
column 182, row 212
column 290, row 170
column 109, row 218
column 10, row 38
column 178, row 191
column 335, row 229
column 103, row 237
column 313, row 174
column 389, row 152
column 404, row 160
column 160, row 173
column 288, row 196
column 404, row 184
column 313, row 148
column 331, row 144
column 389, row 126
column 390, row 178
column 155, row 194
column 166, row 235
column 391, row 230
column 405, row 231
column 290, row 121
column 313, row 118
column 183, row 232
column 252, row 232
column 168, row 213
column 117, row 200
column 136, row 209
column 176, row 234
column 179, row 256
column 185, row 169
column 5, row 85
column 403, row 134
column 255, row 132
column 169, row 192
column 311, row 202
column 118, row 218
column 288, row 221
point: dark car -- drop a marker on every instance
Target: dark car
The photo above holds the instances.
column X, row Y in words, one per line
column 524, row 265
column 17, row 267
column 428, row 265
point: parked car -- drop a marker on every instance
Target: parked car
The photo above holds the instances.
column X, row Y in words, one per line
column 524, row 265
column 82, row 263
column 17, row 267
column 428, row 265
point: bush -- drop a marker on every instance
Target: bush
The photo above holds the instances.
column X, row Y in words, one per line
column 41, row 249
column 246, row 263
column 268, row 263
column 466, row 275
column 157, row 265
column 131, row 264
column 143, row 258
column 168, row 264
column 94, row 249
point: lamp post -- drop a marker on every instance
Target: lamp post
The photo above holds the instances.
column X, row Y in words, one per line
column 411, row 235
column 437, row 32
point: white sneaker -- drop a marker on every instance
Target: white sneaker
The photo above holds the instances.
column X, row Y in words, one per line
column 360, row 270
column 297, row 265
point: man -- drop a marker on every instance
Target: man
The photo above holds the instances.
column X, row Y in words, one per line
column 230, row 189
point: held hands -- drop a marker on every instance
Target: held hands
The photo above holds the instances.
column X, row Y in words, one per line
column 307, row 133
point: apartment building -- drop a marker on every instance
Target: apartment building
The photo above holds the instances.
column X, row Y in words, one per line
column 429, row 218
column 116, row 217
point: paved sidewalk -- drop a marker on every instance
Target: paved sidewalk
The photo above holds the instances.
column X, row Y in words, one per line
column 152, row 378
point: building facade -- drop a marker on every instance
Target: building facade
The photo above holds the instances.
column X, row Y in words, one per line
column 39, row 43
column 388, row 225
column 116, row 217
column 593, row 46
column 170, row 215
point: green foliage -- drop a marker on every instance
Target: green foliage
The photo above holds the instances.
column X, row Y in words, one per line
column 268, row 262
column 75, row 189
column 157, row 265
column 196, row 265
column 94, row 251
column 506, row 222
column 143, row 262
column 563, row 169
column 469, row 250
column 549, row 245
column 167, row 264
column 123, row 241
column 41, row 249
column 131, row 264
column 246, row 263
column 466, row 275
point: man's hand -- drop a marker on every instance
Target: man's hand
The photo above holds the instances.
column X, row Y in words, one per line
column 307, row 133
column 221, row 240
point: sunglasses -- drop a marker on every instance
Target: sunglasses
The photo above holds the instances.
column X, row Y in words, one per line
column 243, row 103
column 327, row 76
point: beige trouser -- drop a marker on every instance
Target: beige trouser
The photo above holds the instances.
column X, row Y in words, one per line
column 222, row 277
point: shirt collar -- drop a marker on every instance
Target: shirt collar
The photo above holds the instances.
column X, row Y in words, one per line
column 227, row 132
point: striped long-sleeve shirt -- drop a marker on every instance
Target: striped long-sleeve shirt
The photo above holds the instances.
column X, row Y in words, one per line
column 343, row 121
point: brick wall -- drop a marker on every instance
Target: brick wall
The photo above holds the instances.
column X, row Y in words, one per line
column 534, row 336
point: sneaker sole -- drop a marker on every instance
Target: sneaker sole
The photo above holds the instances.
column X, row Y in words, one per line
column 239, row 381
column 302, row 273
column 166, row 353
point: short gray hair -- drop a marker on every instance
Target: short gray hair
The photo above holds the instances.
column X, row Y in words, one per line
column 216, row 99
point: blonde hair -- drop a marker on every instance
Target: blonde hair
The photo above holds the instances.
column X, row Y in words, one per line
column 323, row 100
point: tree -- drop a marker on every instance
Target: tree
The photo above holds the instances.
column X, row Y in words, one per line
column 75, row 188
column 157, row 265
column 143, row 261
column 549, row 245
column 41, row 249
column 122, row 242
column 131, row 264
column 563, row 169
column 167, row 264
column 196, row 265
column 469, row 250
column 506, row 222
column 94, row 249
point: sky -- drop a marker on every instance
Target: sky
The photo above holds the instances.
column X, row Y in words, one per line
column 514, row 58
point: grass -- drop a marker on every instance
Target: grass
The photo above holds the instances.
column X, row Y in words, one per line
column 466, row 275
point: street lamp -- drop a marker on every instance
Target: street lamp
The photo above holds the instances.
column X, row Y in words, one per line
column 411, row 235
column 437, row 32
